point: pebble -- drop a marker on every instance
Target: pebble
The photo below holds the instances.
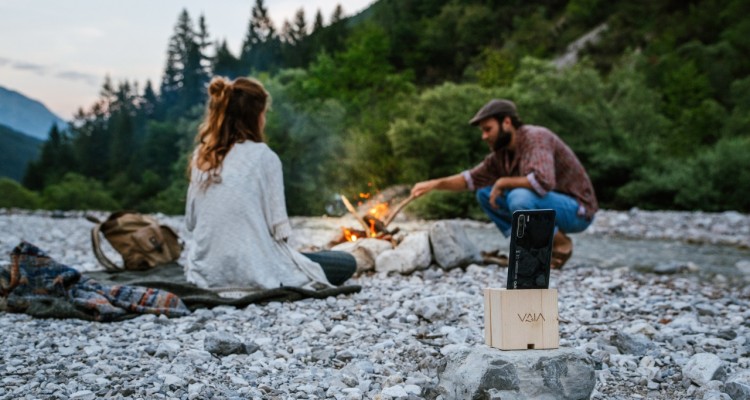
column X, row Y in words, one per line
column 665, row 333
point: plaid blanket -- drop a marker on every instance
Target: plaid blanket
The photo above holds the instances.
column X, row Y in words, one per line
column 37, row 285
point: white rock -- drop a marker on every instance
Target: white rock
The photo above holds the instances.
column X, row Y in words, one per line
column 703, row 368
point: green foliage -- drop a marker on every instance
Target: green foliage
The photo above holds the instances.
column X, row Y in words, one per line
column 492, row 68
column 433, row 137
column 717, row 178
column 76, row 192
column 739, row 119
column 307, row 137
column 442, row 205
column 17, row 196
column 612, row 125
column 170, row 200
column 360, row 75
column 657, row 111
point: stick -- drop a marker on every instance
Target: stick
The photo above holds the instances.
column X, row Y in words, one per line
column 352, row 210
column 398, row 209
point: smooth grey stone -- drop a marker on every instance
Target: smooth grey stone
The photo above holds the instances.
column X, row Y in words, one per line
column 223, row 344
column 451, row 246
column 528, row 374
column 635, row 344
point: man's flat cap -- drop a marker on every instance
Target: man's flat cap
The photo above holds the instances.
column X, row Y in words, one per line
column 495, row 107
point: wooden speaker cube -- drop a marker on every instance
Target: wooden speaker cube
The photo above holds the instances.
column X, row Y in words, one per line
column 521, row 319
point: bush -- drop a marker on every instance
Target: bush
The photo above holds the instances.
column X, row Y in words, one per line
column 169, row 201
column 76, row 192
column 441, row 205
column 717, row 179
column 17, row 196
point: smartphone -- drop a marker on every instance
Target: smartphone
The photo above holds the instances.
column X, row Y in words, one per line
column 530, row 249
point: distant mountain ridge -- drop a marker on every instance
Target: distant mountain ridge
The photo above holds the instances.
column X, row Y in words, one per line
column 26, row 115
column 18, row 150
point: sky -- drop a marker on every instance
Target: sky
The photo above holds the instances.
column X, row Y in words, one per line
column 59, row 52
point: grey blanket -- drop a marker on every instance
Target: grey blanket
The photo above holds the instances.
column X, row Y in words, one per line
column 171, row 278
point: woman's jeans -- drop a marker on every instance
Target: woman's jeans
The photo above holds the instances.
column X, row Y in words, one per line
column 566, row 208
column 337, row 265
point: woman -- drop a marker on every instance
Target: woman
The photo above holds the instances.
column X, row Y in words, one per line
column 235, row 203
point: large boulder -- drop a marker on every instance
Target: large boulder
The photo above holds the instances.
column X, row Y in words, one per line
column 487, row 373
column 411, row 254
column 451, row 246
column 365, row 251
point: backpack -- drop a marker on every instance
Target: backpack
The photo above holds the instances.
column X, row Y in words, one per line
column 142, row 242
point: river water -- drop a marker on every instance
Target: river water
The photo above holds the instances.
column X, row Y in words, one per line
column 607, row 251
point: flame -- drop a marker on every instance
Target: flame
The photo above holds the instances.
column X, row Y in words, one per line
column 349, row 235
column 379, row 210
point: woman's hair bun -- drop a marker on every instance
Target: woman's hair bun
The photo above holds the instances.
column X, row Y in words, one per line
column 217, row 86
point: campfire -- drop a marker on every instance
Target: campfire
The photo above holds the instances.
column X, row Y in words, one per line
column 375, row 221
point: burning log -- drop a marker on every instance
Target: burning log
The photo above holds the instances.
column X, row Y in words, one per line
column 374, row 223
column 353, row 211
column 397, row 210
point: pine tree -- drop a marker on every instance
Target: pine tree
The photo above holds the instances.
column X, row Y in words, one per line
column 224, row 62
column 185, row 73
column 121, row 130
column 261, row 49
column 318, row 24
column 287, row 33
column 332, row 39
column 56, row 157
column 90, row 140
column 148, row 101
column 299, row 28
column 338, row 14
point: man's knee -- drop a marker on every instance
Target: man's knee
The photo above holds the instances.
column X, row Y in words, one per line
column 522, row 199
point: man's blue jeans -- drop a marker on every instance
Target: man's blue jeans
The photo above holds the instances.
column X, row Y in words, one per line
column 566, row 208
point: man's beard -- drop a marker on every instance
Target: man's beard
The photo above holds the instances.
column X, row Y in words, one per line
column 503, row 138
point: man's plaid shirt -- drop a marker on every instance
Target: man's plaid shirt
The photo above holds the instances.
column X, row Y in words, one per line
column 546, row 160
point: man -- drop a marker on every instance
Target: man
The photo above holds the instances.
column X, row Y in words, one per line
column 529, row 168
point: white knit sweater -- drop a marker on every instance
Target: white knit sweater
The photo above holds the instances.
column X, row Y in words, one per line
column 240, row 227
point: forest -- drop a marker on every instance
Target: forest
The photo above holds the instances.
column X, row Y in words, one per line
column 656, row 104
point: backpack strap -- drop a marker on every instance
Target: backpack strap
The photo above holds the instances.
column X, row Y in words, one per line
column 96, row 245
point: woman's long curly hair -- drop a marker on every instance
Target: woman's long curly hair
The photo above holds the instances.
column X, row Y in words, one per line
column 233, row 115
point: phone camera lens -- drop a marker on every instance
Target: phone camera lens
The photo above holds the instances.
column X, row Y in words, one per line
column 521, row 226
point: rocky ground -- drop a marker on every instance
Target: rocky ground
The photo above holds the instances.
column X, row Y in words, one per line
column 664, row 333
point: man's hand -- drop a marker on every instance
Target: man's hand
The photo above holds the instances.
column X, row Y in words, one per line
column 423, row 187
column 497, row 190
column 508, row 183
column 455, row 183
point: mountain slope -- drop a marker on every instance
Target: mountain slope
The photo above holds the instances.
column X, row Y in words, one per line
column 18, row 150
column 26, row 115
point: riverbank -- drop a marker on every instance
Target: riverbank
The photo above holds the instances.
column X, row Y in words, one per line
column 389, row 341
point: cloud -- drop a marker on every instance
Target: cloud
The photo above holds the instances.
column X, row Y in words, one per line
column 44, row 70
column 27, row 66
column 79, row 76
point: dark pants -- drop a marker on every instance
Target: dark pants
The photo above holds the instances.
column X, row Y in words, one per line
column 337, row 265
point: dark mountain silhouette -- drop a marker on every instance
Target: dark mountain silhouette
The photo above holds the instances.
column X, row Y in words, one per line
column 18, row 150
column 26, row 115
